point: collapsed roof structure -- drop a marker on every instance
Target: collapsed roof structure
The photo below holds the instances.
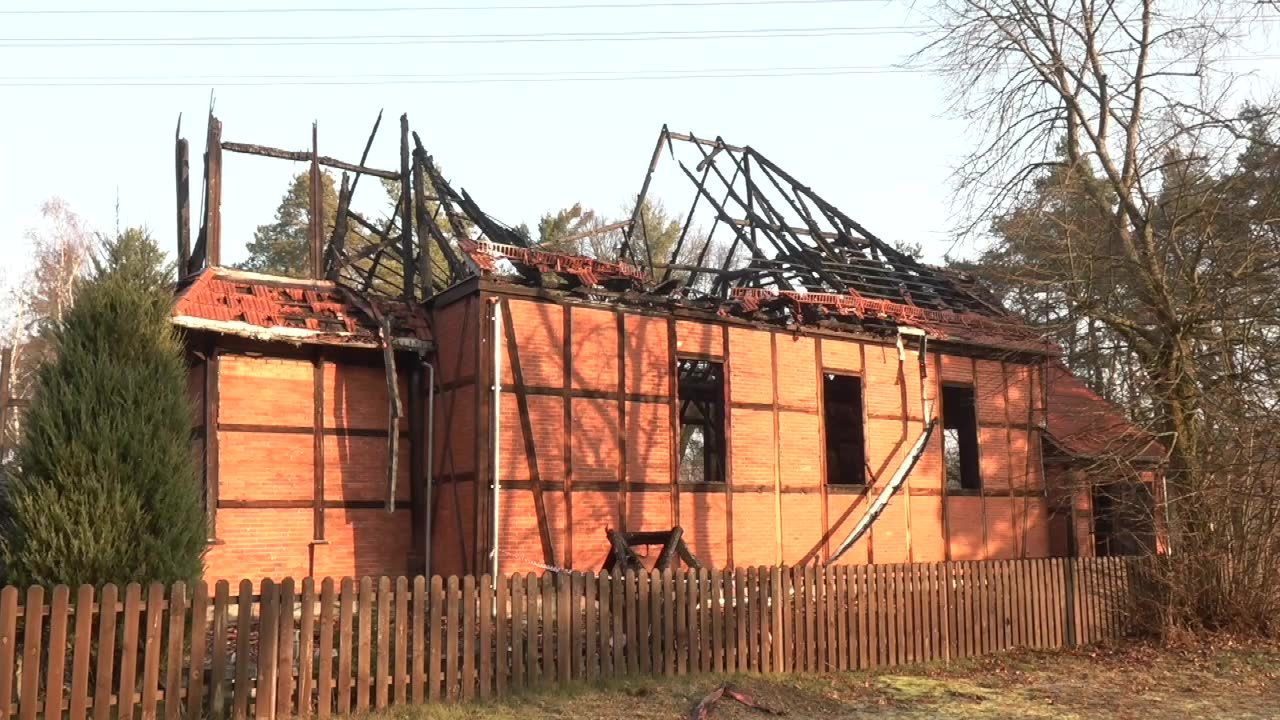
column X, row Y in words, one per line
column 775, row 251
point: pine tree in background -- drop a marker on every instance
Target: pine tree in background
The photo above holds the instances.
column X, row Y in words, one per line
column 106, row 489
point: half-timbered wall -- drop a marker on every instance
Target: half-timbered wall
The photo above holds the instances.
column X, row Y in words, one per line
column 295, row 474
column 588, row 442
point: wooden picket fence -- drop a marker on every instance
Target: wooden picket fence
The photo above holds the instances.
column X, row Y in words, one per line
column 332, row 648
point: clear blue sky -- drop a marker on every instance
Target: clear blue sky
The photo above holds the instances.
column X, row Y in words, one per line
column 876, row 143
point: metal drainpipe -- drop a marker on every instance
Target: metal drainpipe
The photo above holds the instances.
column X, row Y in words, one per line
column 431, row 471
column 494, row 427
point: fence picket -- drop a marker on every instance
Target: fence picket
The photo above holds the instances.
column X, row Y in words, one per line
column 126, row 691
column 400, row 682
column 485, row 646
column 175, row 651
column 616, row 615
column 502, row 647
column 306, row 647
column 346, row 644
column 81, row 692
column 605, row 590
column 548, row 664
column 472, row 637
column 434, row 646
column 418, row 644
column 105, row 671
column 452, row 629
column 199, row 648
column 382, row 635
column 518, row 652
column 56, row 668
column 268, row 655
column 33, row 634
column 364, row 643
column 217, row 648
column 244, row 618
column 564, row 628
column 284, row 650
column 324, row 673
column 532, row 638
column 468, row 680
column 591, row 609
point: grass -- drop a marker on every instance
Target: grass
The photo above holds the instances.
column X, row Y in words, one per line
column 1220, row 679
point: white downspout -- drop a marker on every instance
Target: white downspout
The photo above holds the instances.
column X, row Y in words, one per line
column 494, row 428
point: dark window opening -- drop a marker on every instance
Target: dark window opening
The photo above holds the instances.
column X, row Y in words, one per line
column 700, row 392
column 1124, row 519
column 960, row 438
column 842, row 418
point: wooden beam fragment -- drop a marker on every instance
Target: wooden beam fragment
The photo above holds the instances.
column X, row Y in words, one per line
column 305, row 156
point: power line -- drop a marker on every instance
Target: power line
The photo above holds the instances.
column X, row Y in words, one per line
column 452, row 39
column 516, row 78
column 420, row 8
column 504, row 77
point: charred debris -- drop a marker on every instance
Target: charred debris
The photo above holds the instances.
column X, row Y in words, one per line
column 754, row 243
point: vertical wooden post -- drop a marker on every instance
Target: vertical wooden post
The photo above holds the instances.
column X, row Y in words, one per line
column 425, row 271
column 317, row 449
column 211, row 364
column 315, row 209
column 182, row 178
column 213, row 203
column 406, row 212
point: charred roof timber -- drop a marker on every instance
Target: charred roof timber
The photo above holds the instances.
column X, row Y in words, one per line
column 755, row 242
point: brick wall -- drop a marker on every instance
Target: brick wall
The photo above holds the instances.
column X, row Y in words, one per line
column 266, row 521
column 774, row 381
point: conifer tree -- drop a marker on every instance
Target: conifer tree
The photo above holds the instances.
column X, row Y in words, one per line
column 106, row 488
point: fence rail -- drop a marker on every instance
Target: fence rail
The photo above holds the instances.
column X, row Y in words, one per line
column 331, row 648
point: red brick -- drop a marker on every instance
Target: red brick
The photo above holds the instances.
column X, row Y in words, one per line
column 364, row 542
column 989, row 392
column 699, row 338
column 801, row 527
column 546, row 424
column 260, row 543
column 704, row 519
column 595, row 440
column 842, row 355
column 648, row 368
column 844, row 512
column 539, row 334
column 752, row 459
column 800, row 456
column 265, row 391
column 455, row 430
column 889, row 533
column 355, row 469
column 927, row 541
column 1001, row 544
column 755, row 528
column 797, row 372
column 595, row 349
column 355, row 397
column 265, row 466
column 648, row 442
column 965, row 528
column 751, row 375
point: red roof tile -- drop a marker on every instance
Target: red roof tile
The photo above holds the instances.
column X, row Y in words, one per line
column 1083, row 424
column 269, row 307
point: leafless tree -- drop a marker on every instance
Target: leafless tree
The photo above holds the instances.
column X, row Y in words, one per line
column 1134, row 204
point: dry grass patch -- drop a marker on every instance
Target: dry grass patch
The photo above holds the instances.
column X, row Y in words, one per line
column 1218, row 679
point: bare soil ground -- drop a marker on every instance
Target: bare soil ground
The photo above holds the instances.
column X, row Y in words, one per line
column 1219, row 680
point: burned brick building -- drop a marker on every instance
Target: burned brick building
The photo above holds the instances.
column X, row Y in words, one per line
column 450, row 398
